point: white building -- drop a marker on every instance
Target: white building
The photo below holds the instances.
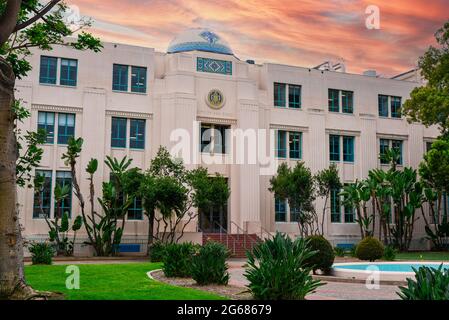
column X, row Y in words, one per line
column 129, row 100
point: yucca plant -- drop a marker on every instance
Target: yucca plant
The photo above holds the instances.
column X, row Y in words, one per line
column 429, row 284
column 209, row 264
column 277, row 269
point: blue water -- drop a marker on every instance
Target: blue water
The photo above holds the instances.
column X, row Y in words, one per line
column 395, row 267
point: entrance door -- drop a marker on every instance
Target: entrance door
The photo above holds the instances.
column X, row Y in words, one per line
column 215, row 220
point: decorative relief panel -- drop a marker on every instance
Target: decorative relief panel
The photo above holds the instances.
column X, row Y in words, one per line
column 214, row 66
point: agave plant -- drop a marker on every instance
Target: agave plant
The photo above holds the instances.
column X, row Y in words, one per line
column 430, row 284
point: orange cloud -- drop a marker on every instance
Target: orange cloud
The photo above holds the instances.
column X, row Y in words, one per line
column 289, row 32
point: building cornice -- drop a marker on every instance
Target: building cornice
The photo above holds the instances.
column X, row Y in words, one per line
column 129, row 114
column 53, row 108
column 285, row 127
column 228, row 121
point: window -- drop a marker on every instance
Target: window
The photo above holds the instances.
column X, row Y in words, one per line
column 43, row 198
column 334, row 148
column 135, row 210
column 294, row 96
column 395, row 107
column 295, row 139
column 397, row 144
column 48, row 70
column 120, row 77
column 280, row 209
column 137, row 134
column 46, row 121
column 64, row 178
column 335, row 206
column 349, row 214
column 334, row 100
column 281, row 150
column 118, row 132
column 279, row 94
column 68, row 72
column 347, row 101
column 385, row 144
column 139, row 79
column 348, row 149
column 383, row 105
column 294, row 214
column 213, row 138
column 66, row 127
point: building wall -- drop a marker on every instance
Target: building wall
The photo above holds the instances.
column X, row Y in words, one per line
column 175, row 99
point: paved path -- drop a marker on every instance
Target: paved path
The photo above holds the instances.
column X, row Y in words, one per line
column 330, row 291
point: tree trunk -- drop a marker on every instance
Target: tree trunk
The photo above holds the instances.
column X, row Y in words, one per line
column 12, row 279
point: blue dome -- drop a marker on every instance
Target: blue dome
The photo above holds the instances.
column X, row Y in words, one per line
column 201, row 40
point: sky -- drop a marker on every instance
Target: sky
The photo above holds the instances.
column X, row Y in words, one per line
column 294, row 32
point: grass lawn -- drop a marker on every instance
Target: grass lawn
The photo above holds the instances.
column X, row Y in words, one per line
column 425, row 255
column 111, row 282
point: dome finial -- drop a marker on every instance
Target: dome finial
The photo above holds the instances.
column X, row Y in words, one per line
column 199, row 39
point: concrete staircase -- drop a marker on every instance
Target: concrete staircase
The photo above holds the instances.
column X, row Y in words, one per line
column 237, row 244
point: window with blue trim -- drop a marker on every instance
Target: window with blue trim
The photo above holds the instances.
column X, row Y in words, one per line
column 395, row 107
column 48, row 70
column 281, row 149
column 397, row 144
column 334, row 100
column 294, row 96
column 64, row 178
column 383, row 105
column 66, row 127
column 118, row 132
column 295, row 145
column 348, row 149
column 347, row 100
column 137, row 134
column 46, row 121
column 279, row 94
column 294, row 214
column 334, row 148
column 138, row 79
column 43, row 197
column 120, row 77
column 280, row 209
column 335, row 206
column 69, row 71
column 135, row 211
column 384, row 145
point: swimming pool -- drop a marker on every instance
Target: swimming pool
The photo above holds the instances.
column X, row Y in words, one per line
column 388, row 271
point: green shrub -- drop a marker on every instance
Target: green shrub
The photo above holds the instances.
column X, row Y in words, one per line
column 157, row 251
column 339, row 252
column 352, row 251
column 178, row 259
column 324, row 258
column 209, row 264
column 277, row 269
column 369, row 249
column 41, row 253
column 389, row 253
column 429, row 284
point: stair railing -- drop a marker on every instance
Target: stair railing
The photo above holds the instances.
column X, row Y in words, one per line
column 245, row 235
column 221, row 228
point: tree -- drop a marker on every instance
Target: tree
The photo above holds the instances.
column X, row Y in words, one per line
column 297, row 187
column 429, row 104
column 357, row 195
column 326, row 181
column 23, row 25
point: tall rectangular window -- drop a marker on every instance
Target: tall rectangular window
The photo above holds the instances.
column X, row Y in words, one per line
column 137, row 134
column 280, row 210
column 118, row 132
column 69, row 70
column 333, row 100
column 64, row 178
column 335, row 206
column 397, row 144
column 347, row 100
column 120, row 77
column 383, row 105
column 213, row 138
column 384, row 145
column 294, row 214
column 349, row 214
column 43, row 198
column 348, row 149
column 334, row 148
column 66, row 127
column 395, row 107
column 46, row 121
column 294, row 96
column 281, row 150
column 139, row 79
column 220, row 139
column 279, row 94
column 295, row 144
column 48, row 70
column 135, row 210
column 205, row 138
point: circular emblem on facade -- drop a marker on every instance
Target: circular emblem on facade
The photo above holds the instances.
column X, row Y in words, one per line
column 215, row 99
